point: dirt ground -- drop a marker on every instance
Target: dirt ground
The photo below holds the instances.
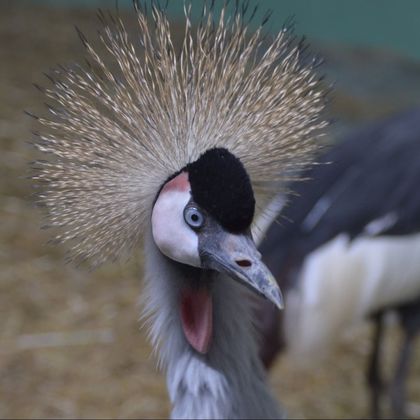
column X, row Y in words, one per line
column 71, row 344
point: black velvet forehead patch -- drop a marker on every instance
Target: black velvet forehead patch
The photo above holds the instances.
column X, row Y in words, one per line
column 221, row 185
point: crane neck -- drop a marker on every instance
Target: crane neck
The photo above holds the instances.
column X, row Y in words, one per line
column 229, row 380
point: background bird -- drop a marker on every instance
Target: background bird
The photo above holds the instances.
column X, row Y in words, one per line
column 169, row 146
column 346, row 248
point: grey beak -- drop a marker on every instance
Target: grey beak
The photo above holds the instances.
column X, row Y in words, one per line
column 237, row 256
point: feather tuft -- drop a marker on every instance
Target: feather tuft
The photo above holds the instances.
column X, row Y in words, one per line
column 139, row 113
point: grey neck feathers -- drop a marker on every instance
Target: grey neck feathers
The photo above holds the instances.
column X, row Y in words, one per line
column 228, row 382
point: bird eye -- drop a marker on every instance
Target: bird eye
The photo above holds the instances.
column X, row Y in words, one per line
column 193, row 217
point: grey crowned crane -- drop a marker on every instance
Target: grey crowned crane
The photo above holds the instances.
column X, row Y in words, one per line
column 347, row 247
column 177, row 148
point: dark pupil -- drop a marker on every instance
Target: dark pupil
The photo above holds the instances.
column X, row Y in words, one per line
column 194, row 217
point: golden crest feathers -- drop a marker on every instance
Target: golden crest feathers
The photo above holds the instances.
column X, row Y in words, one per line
column 117, row 131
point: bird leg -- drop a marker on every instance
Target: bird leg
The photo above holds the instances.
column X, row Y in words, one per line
column 398, row 386
column 374, row 378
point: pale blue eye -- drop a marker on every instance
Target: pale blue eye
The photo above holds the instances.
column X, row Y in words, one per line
column 193, row 217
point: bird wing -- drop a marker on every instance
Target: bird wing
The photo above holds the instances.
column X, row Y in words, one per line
column 365, row 185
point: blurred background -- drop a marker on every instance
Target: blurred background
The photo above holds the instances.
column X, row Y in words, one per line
column 70, row 339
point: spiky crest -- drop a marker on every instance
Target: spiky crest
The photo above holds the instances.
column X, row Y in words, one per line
column 117, row 131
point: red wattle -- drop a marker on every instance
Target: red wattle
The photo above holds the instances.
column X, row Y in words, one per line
column 197, row 318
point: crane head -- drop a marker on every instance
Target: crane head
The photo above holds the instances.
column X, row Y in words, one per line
column 202, row 218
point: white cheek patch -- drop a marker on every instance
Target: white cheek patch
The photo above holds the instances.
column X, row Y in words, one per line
column 172, row 235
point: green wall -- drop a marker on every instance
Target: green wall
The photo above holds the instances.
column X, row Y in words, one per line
column 388, row 24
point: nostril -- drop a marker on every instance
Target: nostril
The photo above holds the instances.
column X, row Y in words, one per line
column 244, row 263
